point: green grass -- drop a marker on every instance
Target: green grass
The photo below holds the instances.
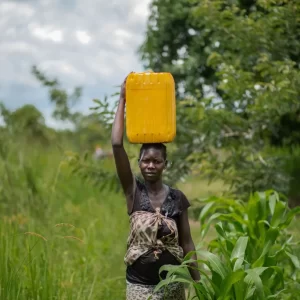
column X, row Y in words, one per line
column 58, row 262
column 83, row 260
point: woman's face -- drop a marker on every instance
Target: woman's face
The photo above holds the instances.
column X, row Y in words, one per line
column 152, row 164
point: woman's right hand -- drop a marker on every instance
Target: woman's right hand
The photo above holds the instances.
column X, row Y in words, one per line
column 123, row 89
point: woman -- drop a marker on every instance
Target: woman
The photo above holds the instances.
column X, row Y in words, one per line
column 160, row 233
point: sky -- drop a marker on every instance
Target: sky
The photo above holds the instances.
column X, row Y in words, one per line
column 88, row 43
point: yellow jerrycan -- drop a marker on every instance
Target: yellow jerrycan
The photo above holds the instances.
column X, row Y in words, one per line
column 150, row 108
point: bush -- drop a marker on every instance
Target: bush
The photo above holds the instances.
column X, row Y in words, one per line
column 253, row 255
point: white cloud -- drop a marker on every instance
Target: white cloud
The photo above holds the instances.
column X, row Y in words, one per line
column 17, row 47
column 91, row 43
column 47, row 33
column 19, row 9
column 63, row 69
column 123, row 33
column 141, row 9
column 83, row 37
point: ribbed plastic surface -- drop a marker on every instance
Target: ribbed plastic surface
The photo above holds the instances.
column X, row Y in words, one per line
column 150, row 108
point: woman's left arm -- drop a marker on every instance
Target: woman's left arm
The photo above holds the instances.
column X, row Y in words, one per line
column 187, row 244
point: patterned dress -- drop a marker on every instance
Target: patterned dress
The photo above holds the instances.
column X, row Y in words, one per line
column 145, row 224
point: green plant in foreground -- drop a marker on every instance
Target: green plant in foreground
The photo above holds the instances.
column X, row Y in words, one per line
column 42, row 256
column 252, row 257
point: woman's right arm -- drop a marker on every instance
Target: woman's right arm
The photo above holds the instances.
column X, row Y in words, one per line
column 120, row 155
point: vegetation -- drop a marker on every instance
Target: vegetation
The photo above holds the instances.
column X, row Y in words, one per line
column 236, row 65
column 64, row 225
column 252, row 257
column 61, row 238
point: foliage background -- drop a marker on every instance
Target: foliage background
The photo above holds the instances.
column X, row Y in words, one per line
column 63, row 223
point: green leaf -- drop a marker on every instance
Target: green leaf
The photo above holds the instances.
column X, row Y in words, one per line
column 262, row 230
column 239, row 290
column 230, row 281
column 233, row 217
column 206, row 226
column 259, row 270
column 202, row 291
column 294, row 259
column 237, row 221
column 252, row 277
column 171, row 279
column 250, row 291
column 252, row 207
column 180, row 270
column 262, row 205
column 279, row 278
column 275, row 296
column 279, row 214
column 271, row 237
column 289, row 217
column 238, row 252
column 97, row 101
column 214, row 262
column 162, row 284
column 220, row 230
column 272, row 203
column 188, row 256
column 205, row 211
column 213, row 289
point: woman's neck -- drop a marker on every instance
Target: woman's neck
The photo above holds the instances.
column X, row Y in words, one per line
column 154, row 187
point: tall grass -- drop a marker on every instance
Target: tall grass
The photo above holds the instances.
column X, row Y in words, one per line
column 61, row 238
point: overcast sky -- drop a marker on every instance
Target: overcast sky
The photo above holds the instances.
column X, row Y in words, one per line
column 91, row 43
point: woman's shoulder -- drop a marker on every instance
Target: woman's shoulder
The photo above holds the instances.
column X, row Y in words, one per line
column 178, row 192
column 181, row 198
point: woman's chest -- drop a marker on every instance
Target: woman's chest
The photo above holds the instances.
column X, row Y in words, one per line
column 157, row 227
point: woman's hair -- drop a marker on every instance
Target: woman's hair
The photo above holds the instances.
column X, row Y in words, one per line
column 157, row 146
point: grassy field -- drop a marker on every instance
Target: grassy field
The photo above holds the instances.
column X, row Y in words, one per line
column 45, row 259
column 61, row 237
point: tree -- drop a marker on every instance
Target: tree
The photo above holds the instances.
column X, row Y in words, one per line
column 25, row 122
column 88, row 130
column 236, row 65
column 59, row 97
